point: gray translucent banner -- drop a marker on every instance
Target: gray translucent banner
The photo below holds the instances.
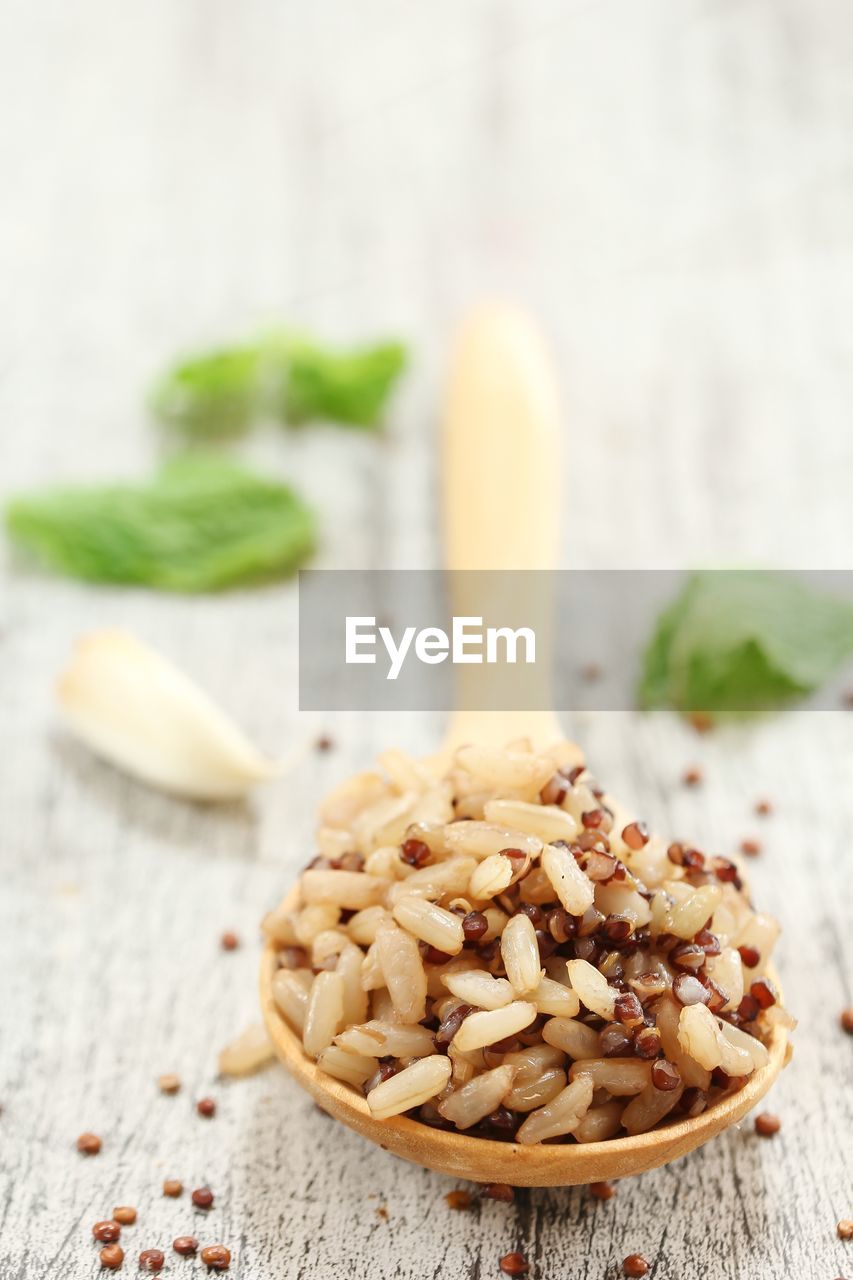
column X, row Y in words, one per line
column 718, row 641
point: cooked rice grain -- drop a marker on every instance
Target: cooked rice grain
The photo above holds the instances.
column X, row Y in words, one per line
column 520, row 955
column 480, row 1029
column 350, row 889
column 592, row 988
column 491, row 877
column 527, row 1095
column 600, row 1123
column 410, row 1087
column 569, row 883
column 555, row 999
column 314, row 919
column 546, row 822
column 381, row 1039
column 478, row 1098
column 363, row 925
column 649, row 1107
column 402, row 971
column 701, row 1037
column 352, row 1068
column 483, row 839
column 432, row 924
column 290, row 989
column 561, row 1115
column 575, row 1038
column 620, row 1077
column 325, row 1013
column 479, row 988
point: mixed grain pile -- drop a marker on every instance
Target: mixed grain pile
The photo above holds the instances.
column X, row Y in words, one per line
column 500, row 950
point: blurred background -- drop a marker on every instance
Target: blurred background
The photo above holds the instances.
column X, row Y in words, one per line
column 669, row 189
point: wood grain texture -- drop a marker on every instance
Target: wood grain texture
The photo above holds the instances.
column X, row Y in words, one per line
column 669, row 187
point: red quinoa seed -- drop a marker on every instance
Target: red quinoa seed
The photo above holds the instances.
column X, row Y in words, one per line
column 169, row 1083
column 748, row 1009
column 415, row 853
column 516, row 859
column 112, row 1256
column 628, row 1009
column 229, row 941
column 451, row 1024
column 202, row 1197
column 185, row 1245
column 691, row 777
column 635, row 1265
column 107, row 1232
column 763, row 808
column 766, row 1124
column 474, row 925
column 206, row 1107
column 458, row 1199
column 556, row 789
column 693, row 1102
column 151, row 1260
column 173, row 1187
column 514, row 1264
column 602, row 1190
column 845, row 1229
column 764, row 992
column 665, row 1075
column 561, row 925
column 216, row 1257
column 750, row 848
column 647, row 1043
column 708, row 941
column 590, row 838
column 88, row 1144
column 636, row 835
column 726, row 871
column 688, row 955
column 685, row 856
column 125, row 1214
column 498, row 1191
column 846, row 1020
column 750, row 956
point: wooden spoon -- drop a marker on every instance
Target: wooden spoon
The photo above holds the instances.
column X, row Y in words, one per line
column 500, row 468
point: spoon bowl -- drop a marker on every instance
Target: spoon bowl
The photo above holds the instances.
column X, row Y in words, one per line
column 483, row 1160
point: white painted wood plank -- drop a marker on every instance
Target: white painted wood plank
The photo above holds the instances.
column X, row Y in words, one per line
column 671, row 191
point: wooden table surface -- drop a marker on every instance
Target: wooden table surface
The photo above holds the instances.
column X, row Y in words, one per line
column 670, row 187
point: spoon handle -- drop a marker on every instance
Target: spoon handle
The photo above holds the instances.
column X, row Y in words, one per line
column 500, row 447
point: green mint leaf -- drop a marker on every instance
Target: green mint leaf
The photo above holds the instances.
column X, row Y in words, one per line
column 213, row 396
column 350, row 387
column 744, row 641
column 200, row 525
column 290, row 376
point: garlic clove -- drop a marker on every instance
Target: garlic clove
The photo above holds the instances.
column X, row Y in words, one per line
column 134, row 708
